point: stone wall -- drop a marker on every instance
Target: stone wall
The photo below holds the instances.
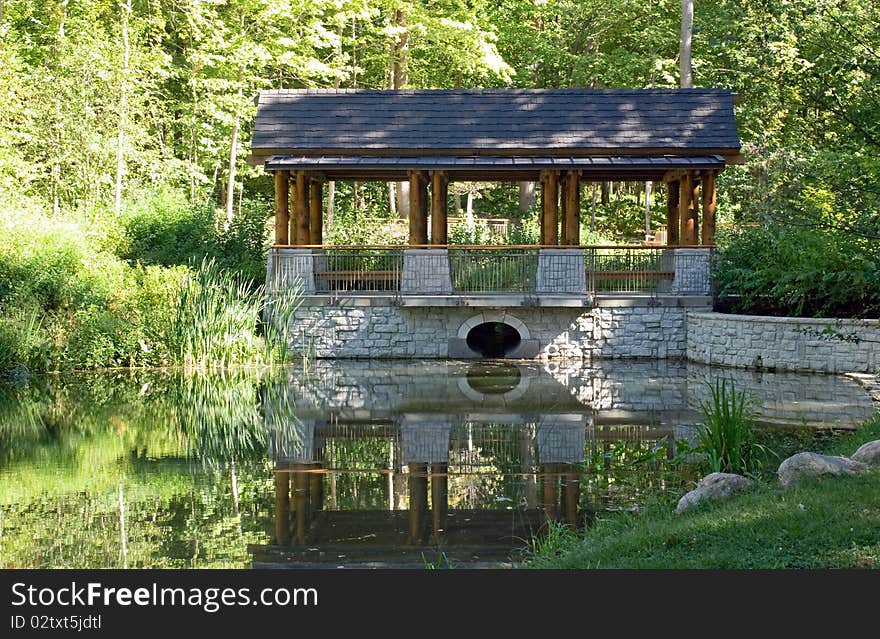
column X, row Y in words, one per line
column 781, row 343
column 377, row 327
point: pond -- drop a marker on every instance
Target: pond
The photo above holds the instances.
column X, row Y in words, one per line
column 345, row 463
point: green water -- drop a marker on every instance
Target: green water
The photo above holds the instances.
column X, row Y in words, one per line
column 351, row 463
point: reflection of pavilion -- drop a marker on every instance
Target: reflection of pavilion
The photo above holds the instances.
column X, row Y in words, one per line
column 474, row 488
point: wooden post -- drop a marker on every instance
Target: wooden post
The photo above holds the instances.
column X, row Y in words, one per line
column 550, row 491
column 572, row 496
column 709, row 205
column 418, row 208
column 316, row 211
column 302, row 208
column 572, row 220
column 685, row 193
column 439, row 199
column 694, row 212
column 282, row 210
column 672, row 193
column 550, row 208
column 301, row 500
column 282, row 505
column 439, row 496
column 316, row 490
column 418, row 499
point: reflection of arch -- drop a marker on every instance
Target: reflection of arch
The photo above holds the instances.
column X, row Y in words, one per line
column 502, row 318
column 514, row 393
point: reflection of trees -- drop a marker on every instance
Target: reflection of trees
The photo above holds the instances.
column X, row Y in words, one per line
column 167, row 440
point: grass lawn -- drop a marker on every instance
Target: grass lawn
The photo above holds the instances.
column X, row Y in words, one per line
column 829, row 523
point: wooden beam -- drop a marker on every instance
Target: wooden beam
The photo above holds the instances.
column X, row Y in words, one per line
column 709, row 206
column 550, row 208
column 282, row 210
column 685, row 193
column 672, row 197
column 418, row 501
column 439, row 210
column 418, row 208
column 316, row 211
column 572, row 220
column 303, row 236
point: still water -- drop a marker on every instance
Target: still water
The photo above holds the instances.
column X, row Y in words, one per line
column 421, row 464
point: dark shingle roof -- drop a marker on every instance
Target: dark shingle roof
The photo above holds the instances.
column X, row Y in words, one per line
column 505, row 122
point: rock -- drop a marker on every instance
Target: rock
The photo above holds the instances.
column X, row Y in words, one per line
column 812, row 465
column 711, row 487
column 868, row 453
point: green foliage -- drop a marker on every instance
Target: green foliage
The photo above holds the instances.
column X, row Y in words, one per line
column 727, row 438
column 799, row 271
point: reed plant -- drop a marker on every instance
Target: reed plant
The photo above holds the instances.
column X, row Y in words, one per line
column 727, row 433
column 217, row 322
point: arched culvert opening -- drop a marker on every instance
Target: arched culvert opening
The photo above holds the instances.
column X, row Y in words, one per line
column 493, row 339
column 493, row 378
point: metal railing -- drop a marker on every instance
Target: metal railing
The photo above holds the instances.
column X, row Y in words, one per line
column 493, row 270
column 590, row 270
column 358, row 269
column 630, row 269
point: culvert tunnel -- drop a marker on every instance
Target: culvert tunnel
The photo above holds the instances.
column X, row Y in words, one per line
column 493, row 339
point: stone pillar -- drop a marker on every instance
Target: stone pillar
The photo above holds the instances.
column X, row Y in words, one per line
column 426, row 271
column 692, row 271
column 561, row 270
column 561, row 438
column 287, row 266
column 425, row 439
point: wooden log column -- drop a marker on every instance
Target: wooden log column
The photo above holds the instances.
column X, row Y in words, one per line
column 316, row 210
column 418, row 501
column 686, row 193
column 302, row 208
column 571, row 225
column 439, row 496
column 672, row 197
column 301, row 502
column 439, row 210
column 282, row 207
column 418, row 208
column 694, row 212
column 549, row 208
column 282, row 507
column 709, row 205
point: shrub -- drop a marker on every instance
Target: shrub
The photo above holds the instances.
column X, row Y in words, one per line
column 798, row 271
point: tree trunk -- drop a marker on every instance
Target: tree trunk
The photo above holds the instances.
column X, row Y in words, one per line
column 123, row 108
column 684, row 46
column 604, row 192
column 233, row 159
column 399, row 79
column 526, row 196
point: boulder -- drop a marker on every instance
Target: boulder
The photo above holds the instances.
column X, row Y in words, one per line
column 813, row 465
column 711, row 487
column 868, row 453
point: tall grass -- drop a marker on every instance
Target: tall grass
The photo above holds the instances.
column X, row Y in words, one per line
column 217, row 321
column 727, row 432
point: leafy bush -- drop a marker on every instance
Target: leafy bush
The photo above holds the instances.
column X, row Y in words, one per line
column 799, row 271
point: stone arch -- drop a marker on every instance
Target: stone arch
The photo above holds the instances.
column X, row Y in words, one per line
column 501, row 317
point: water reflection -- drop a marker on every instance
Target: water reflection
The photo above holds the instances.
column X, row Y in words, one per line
column 365, row 463
column 471, row 461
